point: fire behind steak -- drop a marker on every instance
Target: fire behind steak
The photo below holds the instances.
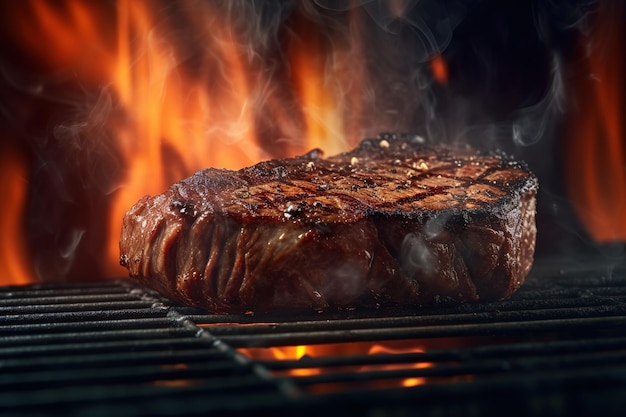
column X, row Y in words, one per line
column 393, row 221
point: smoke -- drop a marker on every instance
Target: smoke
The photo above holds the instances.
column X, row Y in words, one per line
column 532, row 123
column 555, row 17
column 432, row 22
column 416, row 258
column 418, row 251
column 397, row 40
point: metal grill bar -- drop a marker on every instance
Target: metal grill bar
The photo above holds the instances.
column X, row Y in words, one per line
column 87, row 325
column 589, row 326
column 81, row 348
column 68, row 299
column 94, row 336
column 72, row 316
column 90, row 306
column 598, row 310
column 483, row 313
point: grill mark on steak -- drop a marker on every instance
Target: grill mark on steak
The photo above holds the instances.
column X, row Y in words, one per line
column 393, row 221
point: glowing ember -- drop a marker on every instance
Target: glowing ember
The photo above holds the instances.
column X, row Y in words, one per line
column 439, row 69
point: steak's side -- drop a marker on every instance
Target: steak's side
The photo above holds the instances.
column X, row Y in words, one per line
column 394, row 221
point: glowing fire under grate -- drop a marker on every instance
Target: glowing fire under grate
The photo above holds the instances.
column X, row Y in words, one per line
column 109, row 347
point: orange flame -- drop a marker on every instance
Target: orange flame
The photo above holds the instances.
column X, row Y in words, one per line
column 13, row 183
column 343, row 349
column 407, row 382
column 169, row 121
column 596, row 155
column 321, row 104
column 172, row 111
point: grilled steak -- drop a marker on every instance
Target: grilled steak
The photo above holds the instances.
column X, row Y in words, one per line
column 394, row 221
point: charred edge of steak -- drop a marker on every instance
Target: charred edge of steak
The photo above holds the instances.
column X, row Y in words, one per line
column 394, row 221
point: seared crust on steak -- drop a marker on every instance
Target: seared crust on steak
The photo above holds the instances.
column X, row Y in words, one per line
column 394, row 221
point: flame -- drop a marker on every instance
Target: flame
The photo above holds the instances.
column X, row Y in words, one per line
column 173, row 114
column 407, row 382
column 343, row 349
column 323, row 121
column 66, row 35
column 13, row 183
column 294, row 352
column 596, row 155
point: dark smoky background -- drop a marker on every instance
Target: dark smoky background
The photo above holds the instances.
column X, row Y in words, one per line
column 510, row 73
column 513, row 75
column 516, row 72
column 510, row 68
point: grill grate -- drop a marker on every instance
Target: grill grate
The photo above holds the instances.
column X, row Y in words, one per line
column 98, row 348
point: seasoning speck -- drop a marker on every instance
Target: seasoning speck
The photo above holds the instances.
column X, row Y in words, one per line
column 421, row 165
column 354, row 161
column 383, row 144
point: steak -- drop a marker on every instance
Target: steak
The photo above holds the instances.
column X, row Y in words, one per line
column 394, row 221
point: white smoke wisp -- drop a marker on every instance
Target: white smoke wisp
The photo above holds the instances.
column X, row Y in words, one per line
column 532, row 123
column 416, row 256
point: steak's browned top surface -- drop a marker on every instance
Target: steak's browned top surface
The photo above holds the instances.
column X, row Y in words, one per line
column 382, row 176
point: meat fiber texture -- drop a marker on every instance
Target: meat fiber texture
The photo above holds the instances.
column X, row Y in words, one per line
column 395, row 221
